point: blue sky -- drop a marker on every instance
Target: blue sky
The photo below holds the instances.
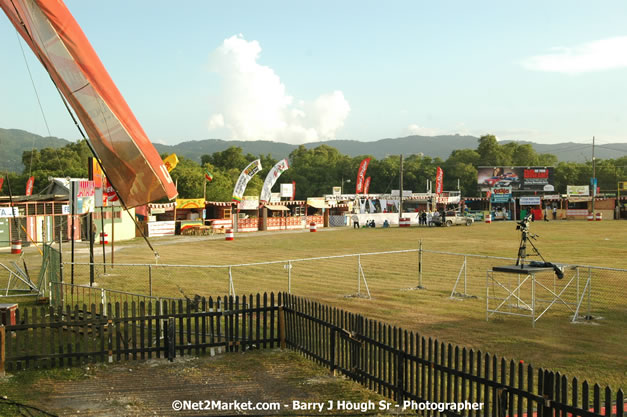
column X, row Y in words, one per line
column 361, row 70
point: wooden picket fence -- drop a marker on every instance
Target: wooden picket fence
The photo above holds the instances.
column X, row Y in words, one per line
column 51, row 337
column 404, row 366
column 396, row 363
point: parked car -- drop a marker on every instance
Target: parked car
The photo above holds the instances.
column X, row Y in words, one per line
column 452, row 218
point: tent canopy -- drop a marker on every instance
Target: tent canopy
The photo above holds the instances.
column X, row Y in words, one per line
column 317, row 204
column 276, row 207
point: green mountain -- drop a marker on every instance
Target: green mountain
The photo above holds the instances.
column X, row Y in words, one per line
column 14, row 142
column 433, row 146
column 438, row 146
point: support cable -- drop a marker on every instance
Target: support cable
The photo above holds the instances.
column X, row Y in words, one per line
column 93, row 151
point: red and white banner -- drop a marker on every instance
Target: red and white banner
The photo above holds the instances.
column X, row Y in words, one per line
column 29, row 185
column 367, row 185
column 439, row 179
column 361, row 175
column 109, row 196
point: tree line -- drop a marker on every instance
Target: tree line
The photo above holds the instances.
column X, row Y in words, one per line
column 315, row 171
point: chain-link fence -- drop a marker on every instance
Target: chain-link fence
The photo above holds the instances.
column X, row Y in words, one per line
column 584, row 290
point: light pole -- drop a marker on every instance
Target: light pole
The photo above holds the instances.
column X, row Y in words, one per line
column 342, row 187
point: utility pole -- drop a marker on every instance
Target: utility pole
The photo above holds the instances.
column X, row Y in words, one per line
column 400, row 209
column 594, row 177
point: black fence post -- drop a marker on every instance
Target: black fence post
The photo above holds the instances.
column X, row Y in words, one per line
column 547, row 394
column 282, row 343
column 170, row 338
column 2, row 348
column 332, row 350
column 400, row 366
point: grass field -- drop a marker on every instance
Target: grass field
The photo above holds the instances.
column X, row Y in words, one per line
column 594, row 350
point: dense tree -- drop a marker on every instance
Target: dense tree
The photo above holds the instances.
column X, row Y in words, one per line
column 317, row 170
column 491, row 153
column 189, row 177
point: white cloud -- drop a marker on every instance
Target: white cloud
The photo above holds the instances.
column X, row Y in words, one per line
column 414, row 129
column 254, row 103
column 216, row 121
column 604, row 54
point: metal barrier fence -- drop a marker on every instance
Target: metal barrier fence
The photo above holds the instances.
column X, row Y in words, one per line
column 466, row 275
column 375, row 274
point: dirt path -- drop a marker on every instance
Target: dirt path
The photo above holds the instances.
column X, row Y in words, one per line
column 149, row 388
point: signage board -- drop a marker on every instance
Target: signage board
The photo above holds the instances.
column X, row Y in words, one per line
column 249, row 203
column 406, row 193
column 578, row 190
column 501, row 194
column 84, row 198
column 166, row 228
column 287, row 190
column 190, row 203
column 530, row 201
column 519, row 178
column 7, row 212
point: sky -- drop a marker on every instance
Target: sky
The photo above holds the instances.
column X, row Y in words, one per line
column 300, row 72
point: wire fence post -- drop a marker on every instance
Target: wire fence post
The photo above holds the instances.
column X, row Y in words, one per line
column 589, row 290
column 231, row 287
column 358, row 274
column 150, row 278
column 465, row 280
column 420, row 265
column 289, row 277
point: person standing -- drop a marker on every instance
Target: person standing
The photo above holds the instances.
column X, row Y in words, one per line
column 554, row 212
column 355, row 219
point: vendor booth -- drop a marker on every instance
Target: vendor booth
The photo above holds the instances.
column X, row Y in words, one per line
column 160, row 220
column 502, row 203
column 278, row 217
column 219, row 215
column 531, row 205
column 247, row 215
column 317, row 212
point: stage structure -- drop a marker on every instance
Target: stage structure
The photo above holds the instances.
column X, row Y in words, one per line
column 531, row 291
column 537, row 286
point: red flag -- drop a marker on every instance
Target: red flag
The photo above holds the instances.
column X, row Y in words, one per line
column 367, row 185
column 293, row 190
column 109, row 195
column 439, row 177
column 361, row 175
column 1, row 182
column 29, row 186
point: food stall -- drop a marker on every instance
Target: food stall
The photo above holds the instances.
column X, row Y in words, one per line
column 248, row 214
column 219, row 215
column 317, row 212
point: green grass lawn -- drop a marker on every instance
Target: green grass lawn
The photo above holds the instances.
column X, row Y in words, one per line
column 594, row 350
